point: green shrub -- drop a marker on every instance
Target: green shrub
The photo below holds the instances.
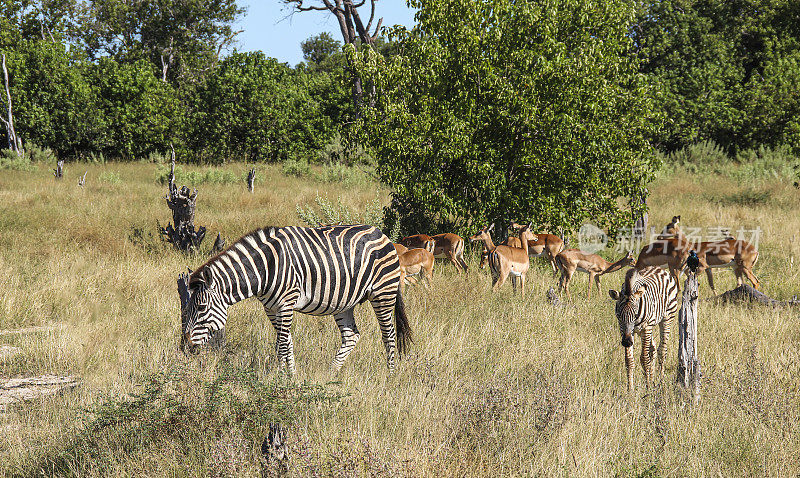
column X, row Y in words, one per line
column 179, row 407
column 96, row 158
column 11, row 160
column 195, row 178
column 347, row 175
column 325, row 212
column 705, row 153
column 40, row 155
column 336, row 151
column 296, row 167
column 111, row 177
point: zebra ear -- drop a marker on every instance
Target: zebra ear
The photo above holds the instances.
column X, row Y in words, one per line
column 613, row 294
column 207, row 277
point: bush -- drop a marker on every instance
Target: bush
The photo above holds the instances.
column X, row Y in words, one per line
column 11, row 160
column 326, row 212
column 347, row 175
column 40, row 155
column 296, row 167
column 195, row 178
column 110, row 177
column 336, row 151
column 183, row 410
column 705, row 153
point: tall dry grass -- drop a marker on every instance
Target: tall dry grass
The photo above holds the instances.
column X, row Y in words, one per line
column 493, row 385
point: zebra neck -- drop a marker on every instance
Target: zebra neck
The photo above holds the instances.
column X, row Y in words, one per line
column 232, row 278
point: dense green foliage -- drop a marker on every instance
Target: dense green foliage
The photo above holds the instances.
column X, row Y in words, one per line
column 128, row 79
column 723, row 70
column 497, row 111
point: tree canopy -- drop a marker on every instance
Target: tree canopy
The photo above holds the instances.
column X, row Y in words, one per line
column 496, row 110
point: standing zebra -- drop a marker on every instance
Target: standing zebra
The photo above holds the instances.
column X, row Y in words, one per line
column 648, row 297
column 318, row 271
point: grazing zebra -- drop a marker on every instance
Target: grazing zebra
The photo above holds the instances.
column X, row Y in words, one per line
column 318, row 271
column 648, row 297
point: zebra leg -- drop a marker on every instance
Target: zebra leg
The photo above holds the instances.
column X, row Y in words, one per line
column 347, row 326
column 629, row 366
column 282, row 322
column 645, row 359
column 383, row 306
column 662, row 347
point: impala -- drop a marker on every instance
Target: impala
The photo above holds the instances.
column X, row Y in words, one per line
column 401, row 249
column 419, row 241
column 512, row 241
column 505, row 260
column 670, row 252
column 450, row 246
column 673, row 251
column 738, row 254
column 545, row 245
column 572, row 260
column 414, row 261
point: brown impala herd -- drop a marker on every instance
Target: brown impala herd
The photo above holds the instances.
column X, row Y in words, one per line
column 511, row 258
column 648, row 297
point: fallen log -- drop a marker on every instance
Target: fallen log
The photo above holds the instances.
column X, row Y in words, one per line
column 747, row 294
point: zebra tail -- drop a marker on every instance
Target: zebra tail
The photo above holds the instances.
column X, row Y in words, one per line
column 402, row 327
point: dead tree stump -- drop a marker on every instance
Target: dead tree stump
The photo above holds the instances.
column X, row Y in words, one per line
column 219, row 244
column 217, row 339
column 182, row 202
column 59, row 171
column 688, row 375
column 251, row 179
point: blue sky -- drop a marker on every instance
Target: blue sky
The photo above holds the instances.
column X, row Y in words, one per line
column 267, row 27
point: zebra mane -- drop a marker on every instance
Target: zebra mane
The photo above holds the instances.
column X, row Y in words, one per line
column 269, row 231
column 633, row 281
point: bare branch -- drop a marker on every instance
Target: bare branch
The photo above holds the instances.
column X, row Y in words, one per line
column 371, row 15
column 377, row 29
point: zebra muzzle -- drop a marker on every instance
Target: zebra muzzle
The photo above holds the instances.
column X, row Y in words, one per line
column 627, row 340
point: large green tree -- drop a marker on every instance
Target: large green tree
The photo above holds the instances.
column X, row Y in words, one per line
column 494, row 110
column 257, row 109
column 724, row 70
column 181, row 38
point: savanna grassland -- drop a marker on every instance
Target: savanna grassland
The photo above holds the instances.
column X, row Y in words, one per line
column 494, row 385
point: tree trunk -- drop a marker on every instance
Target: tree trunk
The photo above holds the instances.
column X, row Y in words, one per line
column 688, row 375
column 59, row 171
column 183, row 234
column 251, row 180
column 14, row 144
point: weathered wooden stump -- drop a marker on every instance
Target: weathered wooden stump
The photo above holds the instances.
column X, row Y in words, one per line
column 251, row 179
column 219, row 244
column 183, row 234
column 217, row 339
column 275, row 450
column 59, row 171
column 688, row 375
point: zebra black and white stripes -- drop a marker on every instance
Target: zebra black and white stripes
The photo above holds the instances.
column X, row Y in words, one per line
column 648, row 297
column 318, row 271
